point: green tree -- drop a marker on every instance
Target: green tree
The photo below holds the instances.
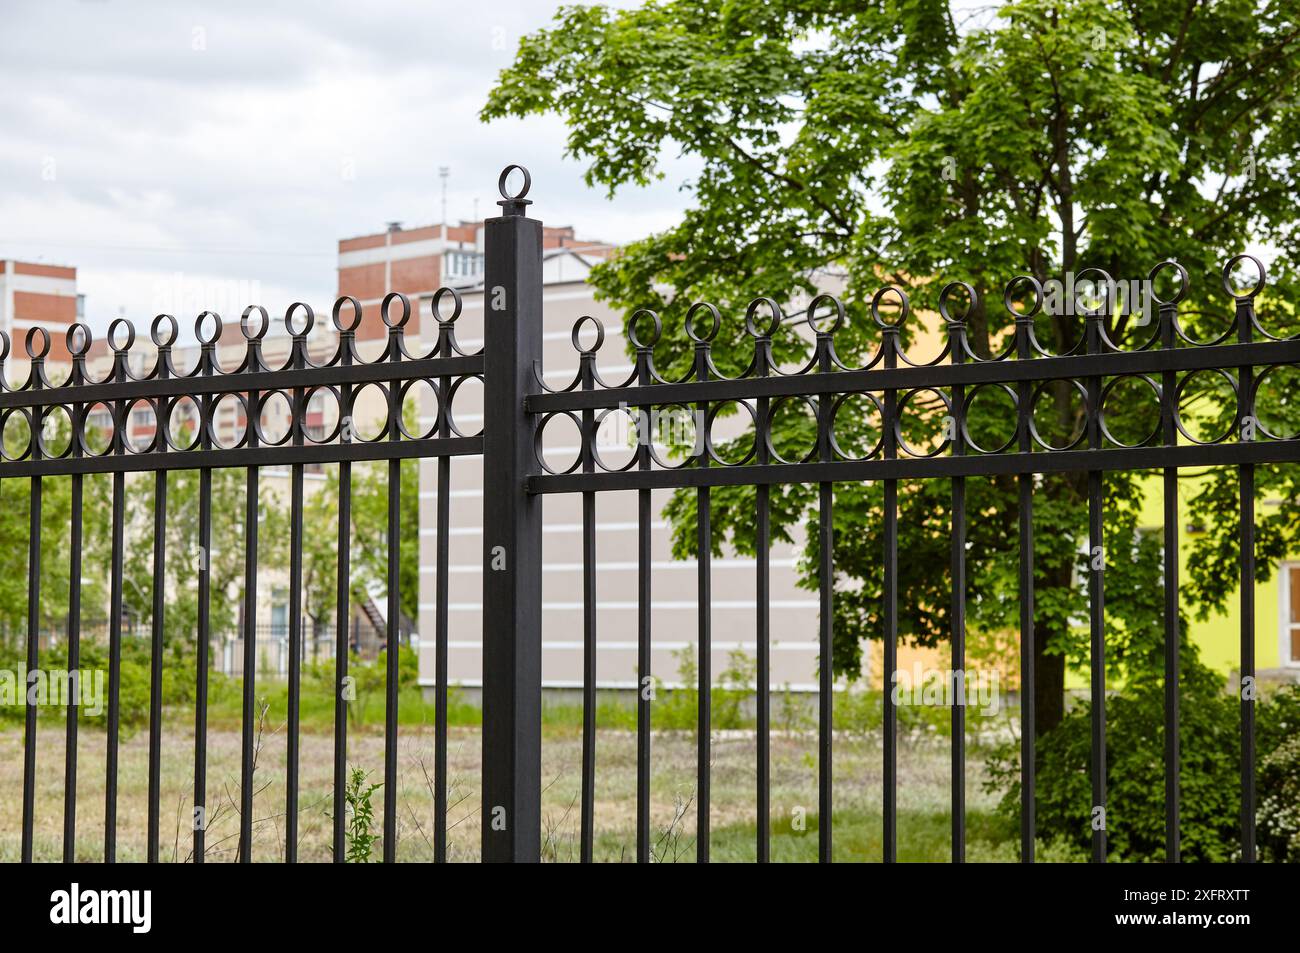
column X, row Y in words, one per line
column 888, row 141
column 369, row 539
column 55, row 537
column 184, row 556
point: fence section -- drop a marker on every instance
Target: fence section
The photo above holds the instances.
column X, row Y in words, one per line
column 186, row 435
column 858, row 413
column 890, row 387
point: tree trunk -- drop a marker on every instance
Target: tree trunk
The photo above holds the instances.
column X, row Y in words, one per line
column 1049, row 684
column 1049, row 669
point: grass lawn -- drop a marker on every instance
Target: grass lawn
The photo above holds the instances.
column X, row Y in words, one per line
column 923, row 791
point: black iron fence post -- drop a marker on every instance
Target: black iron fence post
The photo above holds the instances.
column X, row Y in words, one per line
column 512, row 534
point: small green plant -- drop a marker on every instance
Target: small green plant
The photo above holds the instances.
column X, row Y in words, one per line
column 358, row 837
column 678, row 708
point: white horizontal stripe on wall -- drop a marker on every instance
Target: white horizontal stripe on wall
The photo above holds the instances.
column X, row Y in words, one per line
column 46, row 285
column 546, row 528
column 614, row 683
column 453, row 495
column 398, row 251
column 473, row 300
column 470, row 344
column 809, row 646
column 683, row 604
column 568, row 375
column 55, row 327
column 726, row 563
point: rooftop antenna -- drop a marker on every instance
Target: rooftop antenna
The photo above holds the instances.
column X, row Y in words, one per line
column 443, row 172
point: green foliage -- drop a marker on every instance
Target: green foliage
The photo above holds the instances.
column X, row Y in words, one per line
column 862, row 712
column 895, row 144
column 55, row 542
column 1278, row 829
column 369, row 538
column 369, row 679
column 678, row 709
column 178, row 670
column 358, row 836
column 183, row 554
column 1209, row 779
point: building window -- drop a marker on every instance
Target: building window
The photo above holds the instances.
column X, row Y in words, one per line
column 1290, row 647
column 463, row 264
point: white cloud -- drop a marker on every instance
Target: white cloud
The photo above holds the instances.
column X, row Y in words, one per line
column 235, row 143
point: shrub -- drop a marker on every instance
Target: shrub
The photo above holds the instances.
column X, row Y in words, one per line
column 1209, row 781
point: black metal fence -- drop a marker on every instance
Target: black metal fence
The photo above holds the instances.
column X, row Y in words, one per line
column 517, row 478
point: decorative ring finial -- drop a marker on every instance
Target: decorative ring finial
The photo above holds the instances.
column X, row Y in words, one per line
column 514, row 204
column 576, row 335
column 1261, row 276
column 78, row 339
column 945, row 299
column 656, row 328
column 121, row 326
column 164, row 330
column 456, row 305
column 1182, row 281
column 215, row 335
column 34, row 351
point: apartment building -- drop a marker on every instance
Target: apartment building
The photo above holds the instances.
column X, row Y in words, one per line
column 418, row 261
column 38, row 295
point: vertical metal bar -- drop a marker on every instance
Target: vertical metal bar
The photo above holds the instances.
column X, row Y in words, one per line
column 763, row 611
column 441, row 597
column 114, row 651
column 1173, row 635
column 200, row 819
column 117, row 558
column 440, row 664
column 1024, row 393
column 74, row 657
column 156, row 654
column 33, row 645
column 1097, row 603
column 957, row 612
column 645, row 687
column 826, row 639
column 512, row 538
column 342, row 613
column 159, row 617
column 704, row 571
column 392, row 639
column 250, row 643
column 392, row 656
column 295, row 637
column 298, row 423
column 586, row 833
column 207, row 357
column 342, row 649
column 889, row 595
column 1247, row 687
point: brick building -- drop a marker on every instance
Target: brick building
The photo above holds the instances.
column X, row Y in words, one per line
column 42, row 295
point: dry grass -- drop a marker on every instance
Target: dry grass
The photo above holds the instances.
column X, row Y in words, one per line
column 923, row 791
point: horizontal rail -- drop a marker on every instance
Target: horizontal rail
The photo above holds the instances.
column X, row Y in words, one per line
column 261, row 456
column 935, row 375
column 272, row 380
column 917, row 468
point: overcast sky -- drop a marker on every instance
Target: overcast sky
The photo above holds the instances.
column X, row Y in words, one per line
column 186, row 154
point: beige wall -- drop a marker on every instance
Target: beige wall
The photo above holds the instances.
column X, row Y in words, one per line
column 794, row 617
